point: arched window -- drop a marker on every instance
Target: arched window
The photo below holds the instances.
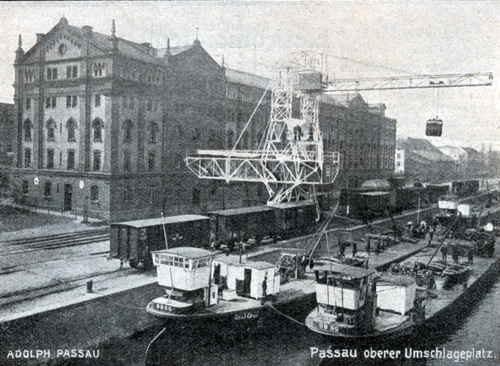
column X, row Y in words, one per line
column 97, row 125
column 128, row 127
column 94, row 193
column 153, row 132
column 71, row 127
column 27, row 126
column 51, row 128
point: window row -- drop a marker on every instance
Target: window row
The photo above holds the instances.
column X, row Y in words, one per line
column 71, row 102
column 71, row 126
column 127, row 161
column 47, row 192
column 128, row 133
column 71, row 72
column 70, row 162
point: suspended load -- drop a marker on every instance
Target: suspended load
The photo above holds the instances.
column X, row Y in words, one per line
column 434, row 127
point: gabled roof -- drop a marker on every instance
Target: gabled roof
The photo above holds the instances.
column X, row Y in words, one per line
column 104, row 43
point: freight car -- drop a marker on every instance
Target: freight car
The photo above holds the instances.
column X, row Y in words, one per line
column 133, row 241
column 258, row 222
column 465, row 188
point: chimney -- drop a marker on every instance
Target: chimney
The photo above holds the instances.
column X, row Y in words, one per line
column 39, row 37
column 87, row 30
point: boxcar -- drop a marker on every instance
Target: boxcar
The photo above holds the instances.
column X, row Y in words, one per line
column 295, row 219
column 242, row 223
column 133, row 241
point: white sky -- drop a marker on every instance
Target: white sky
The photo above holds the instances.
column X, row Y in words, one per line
column 385, row 38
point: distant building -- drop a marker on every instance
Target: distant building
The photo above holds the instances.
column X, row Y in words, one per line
column 422, row 162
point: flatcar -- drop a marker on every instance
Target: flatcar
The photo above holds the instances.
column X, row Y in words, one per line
column 133, row 241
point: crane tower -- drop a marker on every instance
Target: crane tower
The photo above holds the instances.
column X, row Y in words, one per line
column 291, row 161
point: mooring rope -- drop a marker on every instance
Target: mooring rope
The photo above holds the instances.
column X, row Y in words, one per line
column 286, row 316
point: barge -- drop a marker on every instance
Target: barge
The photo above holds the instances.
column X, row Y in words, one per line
column 216, row 294
column 409, row 299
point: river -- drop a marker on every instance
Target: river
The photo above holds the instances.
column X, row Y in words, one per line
column 472, row 343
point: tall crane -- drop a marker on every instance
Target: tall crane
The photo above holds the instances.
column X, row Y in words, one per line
column 292, row 161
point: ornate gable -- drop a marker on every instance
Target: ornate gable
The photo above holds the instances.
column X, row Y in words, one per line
column 67, row 42
column 63, row 45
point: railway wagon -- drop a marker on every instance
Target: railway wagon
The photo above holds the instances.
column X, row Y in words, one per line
column 242, row 223
column 284, row 220
column 464, row 188
column 367, row 204
column 296, row 218
column 133, row 241
column 434, row 191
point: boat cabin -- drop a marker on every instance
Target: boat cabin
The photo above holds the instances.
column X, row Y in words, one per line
column 341, row 286
column 448, row 203
column 183, row 268
column 253, row 279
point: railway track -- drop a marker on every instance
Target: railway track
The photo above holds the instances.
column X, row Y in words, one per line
column 55, row 241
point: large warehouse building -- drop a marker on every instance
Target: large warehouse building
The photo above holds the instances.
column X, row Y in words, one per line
column 103, row 126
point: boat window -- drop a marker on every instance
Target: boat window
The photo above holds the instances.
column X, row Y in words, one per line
column 156, row 259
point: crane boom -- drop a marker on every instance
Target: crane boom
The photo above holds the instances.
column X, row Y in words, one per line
column 409, row 82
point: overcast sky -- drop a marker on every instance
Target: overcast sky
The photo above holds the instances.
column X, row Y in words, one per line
column 377, row 38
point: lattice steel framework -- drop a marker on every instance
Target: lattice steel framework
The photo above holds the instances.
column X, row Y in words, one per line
column 291, row 161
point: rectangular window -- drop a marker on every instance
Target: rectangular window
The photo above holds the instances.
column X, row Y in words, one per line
column 28, row 104
column 75, row 72
column 54, row 102
column 48, row 189
column 50, row 159
column 51, row 73
column 71, row 72
column 68, row 72
column 68, row 101
column 127, row 194
column 27, row 158
column 151, row 161
column 71, row 159
column 97, row 161
column 75, row 101
column 98, row 100
column 47, row 102
column 25, row 187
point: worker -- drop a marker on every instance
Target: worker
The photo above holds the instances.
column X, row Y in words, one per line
column 470, row 256
column 264, row 290
column 354, row 249
column 455, row 254
column 342, row 249
column 378, row 247
column 444, row 252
